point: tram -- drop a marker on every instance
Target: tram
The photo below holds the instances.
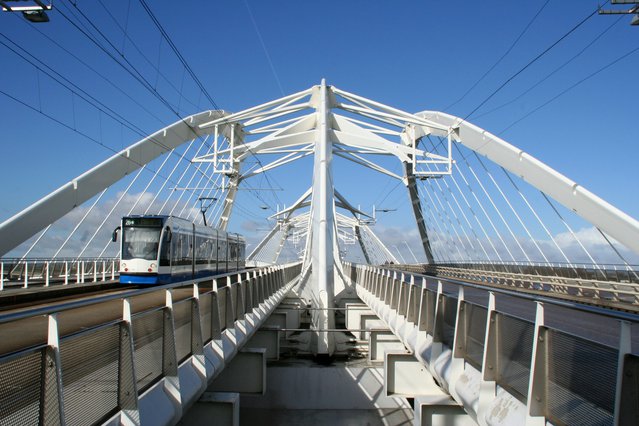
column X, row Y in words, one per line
column 165, row 249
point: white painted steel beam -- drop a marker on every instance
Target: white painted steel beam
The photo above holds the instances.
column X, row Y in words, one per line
column 322, row 224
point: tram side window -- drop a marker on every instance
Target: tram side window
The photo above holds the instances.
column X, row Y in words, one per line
column 235, row 251
column 203, row 248
column 187, row 247
column 181, row 249
column 165, row 249
column 221, row 251
column 214, row 244
column 176, row 252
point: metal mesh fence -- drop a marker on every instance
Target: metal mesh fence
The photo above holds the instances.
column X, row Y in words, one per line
column 475, row 317
column 147, row 341
column 582, row 378
column 20, row 388
column 90, row 375
column 182, row 322
column 514, row 353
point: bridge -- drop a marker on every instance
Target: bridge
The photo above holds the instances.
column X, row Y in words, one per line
column 509, row 314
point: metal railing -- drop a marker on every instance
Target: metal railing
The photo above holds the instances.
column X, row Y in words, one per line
column 92, row 361
column 607, row 285
column 44, row 272
column 484, row 355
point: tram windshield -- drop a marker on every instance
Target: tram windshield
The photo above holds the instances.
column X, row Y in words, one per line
column 140, row 240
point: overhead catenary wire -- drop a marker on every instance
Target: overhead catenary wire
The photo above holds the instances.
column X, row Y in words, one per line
column 569, row 88
column 553, row 72
column 103, row 111
column 140, row 52
column 173, row 47
column 186, row 65
column 535, row 59
column 106, row 79
column 501, row 58
column 73, row 89
column 268, row 56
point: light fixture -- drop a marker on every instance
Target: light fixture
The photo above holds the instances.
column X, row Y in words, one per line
column 34, row 11
column 36, row 16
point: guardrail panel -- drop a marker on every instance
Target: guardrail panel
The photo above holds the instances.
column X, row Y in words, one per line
column 147, row 343
column 222, row 295
column 514, row 353
column 205, row 315
column 182, row 319
column 629, row 404
column 475, row 318
column 450, row 318
column 581, row 380
column 90, row 375
column 20, row 388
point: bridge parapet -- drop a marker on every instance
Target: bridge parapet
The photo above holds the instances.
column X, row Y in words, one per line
column 43, row 272
column 136, row 357
column 615, row 286
column 509, row 360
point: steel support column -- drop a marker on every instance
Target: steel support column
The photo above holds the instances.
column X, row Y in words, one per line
column 409, row 180
column 322, row 278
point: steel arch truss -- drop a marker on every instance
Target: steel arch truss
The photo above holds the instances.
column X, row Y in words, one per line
column 571, row 195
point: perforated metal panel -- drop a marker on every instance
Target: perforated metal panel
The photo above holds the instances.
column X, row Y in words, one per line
column 205, row 312
column 20, row 389
column 182, row 322
column 582, row 378
column 431, row 301
column 90, row 375
column 475, row 317
column 514, row 351
column 147, row 341
column 222, row 294
column 629, row 411
column 450, row 318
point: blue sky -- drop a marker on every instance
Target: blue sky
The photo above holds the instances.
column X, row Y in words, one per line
column 411, row 55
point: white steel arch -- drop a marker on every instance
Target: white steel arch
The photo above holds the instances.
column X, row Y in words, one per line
column 363, row 138
column 39, row 215
column 571, row 195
